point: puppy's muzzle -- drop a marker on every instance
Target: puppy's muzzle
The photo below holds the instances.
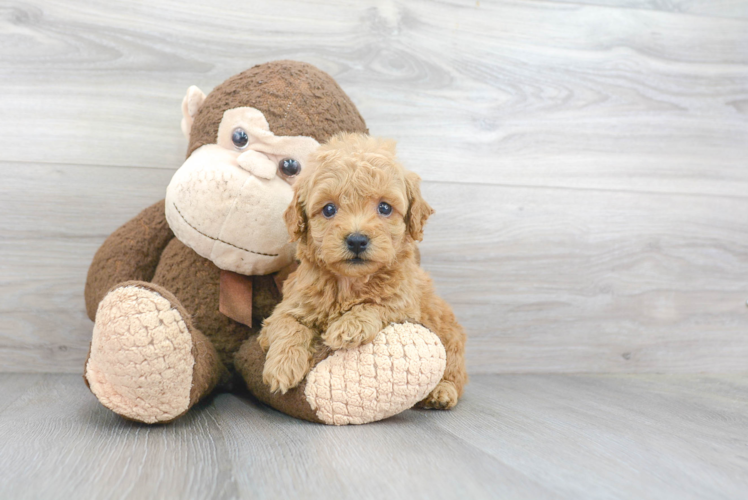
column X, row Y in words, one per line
column 357, row 243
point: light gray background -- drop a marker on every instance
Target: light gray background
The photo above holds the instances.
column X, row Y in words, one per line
column 588, row 162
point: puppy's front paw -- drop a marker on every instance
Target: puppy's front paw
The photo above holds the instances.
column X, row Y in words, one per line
column 285, row 369
column 351, row 330
column 443, row 397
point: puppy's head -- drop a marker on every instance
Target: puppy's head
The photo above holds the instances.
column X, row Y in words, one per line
column 356, row 210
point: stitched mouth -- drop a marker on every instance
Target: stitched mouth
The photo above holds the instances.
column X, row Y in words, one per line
column 218, row 239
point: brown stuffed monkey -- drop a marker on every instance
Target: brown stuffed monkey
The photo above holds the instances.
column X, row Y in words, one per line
column 178, row 294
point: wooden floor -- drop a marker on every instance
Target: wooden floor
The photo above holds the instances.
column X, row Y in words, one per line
column 513, row 436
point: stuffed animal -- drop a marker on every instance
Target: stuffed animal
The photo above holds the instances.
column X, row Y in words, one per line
column 178, row 294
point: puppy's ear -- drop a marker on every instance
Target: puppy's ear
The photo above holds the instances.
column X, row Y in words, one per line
column 418, row 209
column 295, row 214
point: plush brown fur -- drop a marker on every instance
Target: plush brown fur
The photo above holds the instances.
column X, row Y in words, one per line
column 334, row 301
column 296, row 99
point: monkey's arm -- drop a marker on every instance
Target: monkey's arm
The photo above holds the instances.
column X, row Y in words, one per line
column 130, row 253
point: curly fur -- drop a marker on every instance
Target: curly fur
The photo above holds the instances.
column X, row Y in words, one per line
column 330, row 299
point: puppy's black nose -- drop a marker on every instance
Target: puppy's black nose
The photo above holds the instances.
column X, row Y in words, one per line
column 357, row 242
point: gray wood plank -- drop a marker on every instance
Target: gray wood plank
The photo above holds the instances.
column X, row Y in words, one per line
column 612, row 436
column 54, row 218
column 544, row 280
column 59, row 442
column 284, row 458
column 587, row 161
column 536, row 93
column 15, row 385
column 41, row 200
column 616, row 282
column 512, row 436
column 731, row 9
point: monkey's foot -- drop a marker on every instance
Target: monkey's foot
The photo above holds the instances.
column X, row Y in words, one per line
column 403, row 364
column 141, row 360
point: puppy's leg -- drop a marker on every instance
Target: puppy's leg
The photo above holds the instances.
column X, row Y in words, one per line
column 358, row 326
column 289, row 352
column 449, row 390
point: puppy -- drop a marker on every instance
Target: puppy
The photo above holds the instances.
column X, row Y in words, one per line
column 357, row 214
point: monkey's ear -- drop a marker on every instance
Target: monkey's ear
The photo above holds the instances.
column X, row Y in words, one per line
column 418, row 209
column 192, row 101
column 295, row 215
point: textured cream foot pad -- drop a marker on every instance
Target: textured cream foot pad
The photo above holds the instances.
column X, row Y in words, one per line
column 141, row 356
column 375, row 381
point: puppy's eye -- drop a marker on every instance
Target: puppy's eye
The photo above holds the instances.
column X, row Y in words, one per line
column 384, row 208
column 329, row 210
column 240, row 138
column 289, row 167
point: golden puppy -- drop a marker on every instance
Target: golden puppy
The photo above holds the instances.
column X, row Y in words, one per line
column 356, row 214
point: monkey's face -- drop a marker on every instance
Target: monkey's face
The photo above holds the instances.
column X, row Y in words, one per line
column 227, row 200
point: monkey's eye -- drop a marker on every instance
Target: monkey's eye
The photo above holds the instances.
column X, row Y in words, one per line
column 329, row 210
column 289, row 167
column 384, row 208
column 240, row 138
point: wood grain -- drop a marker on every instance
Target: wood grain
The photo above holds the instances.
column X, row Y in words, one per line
column 59, row 442
column 512, row 436
column 54, row 219
column 613, row 436
column 586, row 160
column 730, row 9
column 536, row 93
column 560, row 280
column 594, row 281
